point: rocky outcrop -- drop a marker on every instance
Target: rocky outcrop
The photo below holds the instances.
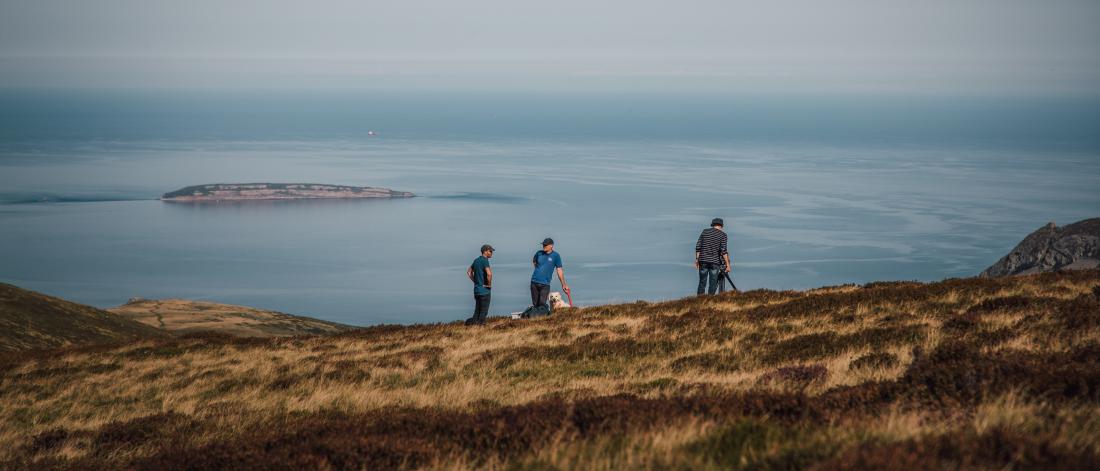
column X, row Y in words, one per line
column 1053, row 248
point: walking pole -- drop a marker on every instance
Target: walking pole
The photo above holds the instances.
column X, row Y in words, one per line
column 727, row 275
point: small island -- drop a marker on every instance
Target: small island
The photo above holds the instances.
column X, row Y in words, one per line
column 278, row 191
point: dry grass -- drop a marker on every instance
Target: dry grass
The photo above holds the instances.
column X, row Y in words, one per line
column 836, row 377
column 181, row 316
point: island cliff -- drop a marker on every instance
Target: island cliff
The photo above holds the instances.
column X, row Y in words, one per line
column 278, row 191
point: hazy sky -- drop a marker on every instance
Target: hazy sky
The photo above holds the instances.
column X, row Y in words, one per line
column 813, row 46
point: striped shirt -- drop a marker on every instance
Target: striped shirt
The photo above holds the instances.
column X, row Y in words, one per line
column 711, row 246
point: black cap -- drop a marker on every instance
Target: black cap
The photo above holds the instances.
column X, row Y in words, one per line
column 487, row 247
column 717, row 222
column 547, row 241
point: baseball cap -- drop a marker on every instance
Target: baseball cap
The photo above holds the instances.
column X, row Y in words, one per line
column 547, row 241
column 487, row 247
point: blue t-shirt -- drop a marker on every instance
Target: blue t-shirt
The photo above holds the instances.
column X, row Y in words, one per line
column 545, row 263
column 479, row 266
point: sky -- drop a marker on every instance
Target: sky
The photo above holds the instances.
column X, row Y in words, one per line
column 946, row 47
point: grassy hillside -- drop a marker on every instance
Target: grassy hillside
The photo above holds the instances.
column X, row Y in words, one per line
column 181, row 316
column 30, row 320
column 962, row 374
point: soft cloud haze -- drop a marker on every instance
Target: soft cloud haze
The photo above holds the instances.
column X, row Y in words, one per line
column 947, row 47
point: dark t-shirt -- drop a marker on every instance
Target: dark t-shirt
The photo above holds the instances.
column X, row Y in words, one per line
column 545, row 263
column 479, row 266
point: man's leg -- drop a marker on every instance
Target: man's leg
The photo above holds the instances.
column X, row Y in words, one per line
column 482, row 308
column 712, row 276
column 477, row 305
column 544, row 295
column 702, row 279
column 534, row 294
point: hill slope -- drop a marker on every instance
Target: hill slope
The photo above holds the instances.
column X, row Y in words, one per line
column 181, row 316
column 30, row 320
column 962, row 374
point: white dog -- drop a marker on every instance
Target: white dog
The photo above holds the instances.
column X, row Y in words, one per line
column 556, row 302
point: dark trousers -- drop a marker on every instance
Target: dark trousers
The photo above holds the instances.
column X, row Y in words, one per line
column 711, row 274
column 481, row 310
column 540, row 294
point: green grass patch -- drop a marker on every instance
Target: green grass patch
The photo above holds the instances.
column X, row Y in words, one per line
column 761, row 445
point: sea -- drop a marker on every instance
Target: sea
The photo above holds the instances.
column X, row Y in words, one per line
column 815, row 191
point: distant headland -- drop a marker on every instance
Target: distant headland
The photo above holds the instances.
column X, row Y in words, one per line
column 278, row 191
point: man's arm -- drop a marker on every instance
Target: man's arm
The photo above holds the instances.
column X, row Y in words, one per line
column 470, row 274
column 488, row 277
column 561, row 278
column 726, row 252
column 698, row 250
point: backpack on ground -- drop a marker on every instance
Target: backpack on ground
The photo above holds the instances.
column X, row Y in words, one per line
column 536, row 311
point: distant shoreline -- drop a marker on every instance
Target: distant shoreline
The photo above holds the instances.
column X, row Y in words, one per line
column 278, row 191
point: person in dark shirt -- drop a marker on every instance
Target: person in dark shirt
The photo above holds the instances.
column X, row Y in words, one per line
column 546, row 262
column 482, row 276
column 712, row 257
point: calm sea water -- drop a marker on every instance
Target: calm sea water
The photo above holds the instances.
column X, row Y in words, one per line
column 815, row 191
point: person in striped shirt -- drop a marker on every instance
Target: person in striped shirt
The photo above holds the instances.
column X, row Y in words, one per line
column 712, row 258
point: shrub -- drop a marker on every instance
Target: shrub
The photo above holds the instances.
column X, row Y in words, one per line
column 1001, row 303
column 47, row 440
column 1080, row 313
column 957, row 373
column 998, row 448
column 757, row 444
column 825, row 344
column 710, row 361
column 165, row 427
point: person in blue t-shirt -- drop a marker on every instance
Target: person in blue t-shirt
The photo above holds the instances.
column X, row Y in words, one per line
column 546, row 262
column 482, row 276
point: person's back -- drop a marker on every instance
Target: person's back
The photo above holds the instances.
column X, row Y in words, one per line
column 712, row 257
